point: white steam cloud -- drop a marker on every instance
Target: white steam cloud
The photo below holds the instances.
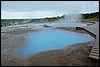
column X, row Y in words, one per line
column 72, row 18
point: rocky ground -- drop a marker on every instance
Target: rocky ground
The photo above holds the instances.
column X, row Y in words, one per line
column 74, row 55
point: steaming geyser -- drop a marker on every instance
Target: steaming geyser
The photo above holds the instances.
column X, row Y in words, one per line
column 72, row 18
column 51, row 39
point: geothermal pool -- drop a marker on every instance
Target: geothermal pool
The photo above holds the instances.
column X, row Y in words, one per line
column 40, row 26
column 67, row 24
column 51, row 39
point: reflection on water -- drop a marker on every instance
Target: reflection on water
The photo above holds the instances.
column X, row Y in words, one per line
column 51, row 39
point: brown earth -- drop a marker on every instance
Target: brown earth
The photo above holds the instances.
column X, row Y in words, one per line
column 73, row 55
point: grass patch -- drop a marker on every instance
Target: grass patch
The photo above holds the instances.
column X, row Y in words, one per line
column 90, row 19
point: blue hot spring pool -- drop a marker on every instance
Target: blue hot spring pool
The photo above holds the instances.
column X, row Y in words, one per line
column 51, row 39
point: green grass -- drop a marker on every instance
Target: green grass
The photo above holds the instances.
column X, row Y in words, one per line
column 90, row 19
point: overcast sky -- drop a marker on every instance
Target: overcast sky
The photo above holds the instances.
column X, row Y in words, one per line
column 40, row 9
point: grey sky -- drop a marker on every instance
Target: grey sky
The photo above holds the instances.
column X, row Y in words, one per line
column 46, row 8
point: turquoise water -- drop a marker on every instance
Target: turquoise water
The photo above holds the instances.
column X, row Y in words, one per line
column 51, row 39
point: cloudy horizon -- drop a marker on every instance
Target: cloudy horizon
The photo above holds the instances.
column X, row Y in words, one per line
column 41, row 9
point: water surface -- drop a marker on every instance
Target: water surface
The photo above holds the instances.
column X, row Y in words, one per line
column 51, row 39
column 67, row 24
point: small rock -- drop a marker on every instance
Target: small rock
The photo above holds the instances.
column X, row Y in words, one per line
column 9, row 59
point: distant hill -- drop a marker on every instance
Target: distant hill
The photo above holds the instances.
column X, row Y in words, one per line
column 85, row 17
column 8, row 22
column 91, row 16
